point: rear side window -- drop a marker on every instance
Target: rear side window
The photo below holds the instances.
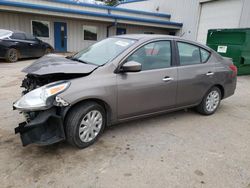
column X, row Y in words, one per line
column 190, row 54
column 19, row 36
column 155, row 55
column 204, row 55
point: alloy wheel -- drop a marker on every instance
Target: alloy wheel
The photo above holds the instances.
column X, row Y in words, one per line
column 212, row 100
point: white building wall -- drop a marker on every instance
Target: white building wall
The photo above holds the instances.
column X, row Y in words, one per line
column 188, row 12
column 245, row 15
column 184, row 11
column 75, row 36
column 75, row 39
column 218, row 15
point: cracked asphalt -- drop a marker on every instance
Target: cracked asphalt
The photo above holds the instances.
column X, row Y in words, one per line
column 180, row 149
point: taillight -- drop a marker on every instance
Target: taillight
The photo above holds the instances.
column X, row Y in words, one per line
column 234, row 69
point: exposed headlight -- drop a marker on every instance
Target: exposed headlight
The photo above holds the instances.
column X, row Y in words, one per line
column 42, row 97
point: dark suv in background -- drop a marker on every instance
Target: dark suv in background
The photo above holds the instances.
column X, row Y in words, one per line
column 17, row 44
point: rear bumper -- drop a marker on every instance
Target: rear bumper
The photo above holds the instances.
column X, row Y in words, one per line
column 229, row 88
column 45, row 129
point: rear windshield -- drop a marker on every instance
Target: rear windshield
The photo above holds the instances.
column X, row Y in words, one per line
column 4, row 33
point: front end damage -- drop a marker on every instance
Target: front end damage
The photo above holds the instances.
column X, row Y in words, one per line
column 45, row 129
column 40, row 104
column 44, row 125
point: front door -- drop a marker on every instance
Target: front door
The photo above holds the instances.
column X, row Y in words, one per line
column 153, row 88
column 60, row 33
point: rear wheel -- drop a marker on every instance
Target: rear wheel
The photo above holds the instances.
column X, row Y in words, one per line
column 210, row 102
column 12, row 55
column 84, row 124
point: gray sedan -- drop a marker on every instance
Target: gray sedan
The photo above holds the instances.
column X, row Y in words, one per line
column 118, row 79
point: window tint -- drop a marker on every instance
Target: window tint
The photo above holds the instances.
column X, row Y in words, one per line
column 204, row 55
column 40, row 28
column 189, row 54
column 19, row 36
column 155, row 55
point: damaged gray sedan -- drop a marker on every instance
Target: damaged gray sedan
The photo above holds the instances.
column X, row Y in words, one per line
column 119, row 79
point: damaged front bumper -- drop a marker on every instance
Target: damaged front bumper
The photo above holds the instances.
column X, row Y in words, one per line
column 45, row 129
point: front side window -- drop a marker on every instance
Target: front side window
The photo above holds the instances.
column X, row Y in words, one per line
column 104, row 51
column 40, row 28
column 90, row 32
column 190, row 54
column 155, row 55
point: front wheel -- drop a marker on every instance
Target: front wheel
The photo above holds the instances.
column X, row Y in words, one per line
column 210, row 102
column 84, row 124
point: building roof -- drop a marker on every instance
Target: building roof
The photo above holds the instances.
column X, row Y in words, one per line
column 70, row 2
column 107, row 13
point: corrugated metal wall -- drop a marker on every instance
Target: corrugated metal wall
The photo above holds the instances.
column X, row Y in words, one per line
column 188, row 12
column 75, row 38
column 245, row 15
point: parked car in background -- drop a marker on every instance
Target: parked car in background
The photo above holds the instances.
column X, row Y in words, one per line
column 15, row 45
column 118, row 79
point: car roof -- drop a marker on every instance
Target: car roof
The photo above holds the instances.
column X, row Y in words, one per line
column 13, row 31
column 147, row 37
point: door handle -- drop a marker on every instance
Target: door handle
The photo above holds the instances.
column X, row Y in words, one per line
column 210, row 73
column 167, row 79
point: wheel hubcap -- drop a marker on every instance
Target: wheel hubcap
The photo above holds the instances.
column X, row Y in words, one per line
column 212, row 101
column 90, row 126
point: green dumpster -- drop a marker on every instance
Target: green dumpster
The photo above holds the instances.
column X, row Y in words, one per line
column 232, row 43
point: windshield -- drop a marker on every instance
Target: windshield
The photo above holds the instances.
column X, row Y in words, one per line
column 4, row 33
column 103, row 51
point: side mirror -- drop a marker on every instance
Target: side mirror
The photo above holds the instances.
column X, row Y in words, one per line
column 131, row 66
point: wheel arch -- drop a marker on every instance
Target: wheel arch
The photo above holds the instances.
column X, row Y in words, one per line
column 222, row 90
column 101, row 102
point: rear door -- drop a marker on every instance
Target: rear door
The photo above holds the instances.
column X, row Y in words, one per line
column 154, row 88
column 195, row 73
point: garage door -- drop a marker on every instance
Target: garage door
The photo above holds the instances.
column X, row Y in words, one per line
column 218, row 14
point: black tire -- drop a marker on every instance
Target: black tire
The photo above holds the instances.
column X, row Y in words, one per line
column 202, row 107
column 12, row 55
column 73, row 123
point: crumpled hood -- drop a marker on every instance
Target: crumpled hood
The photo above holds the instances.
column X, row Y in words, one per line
column 53, row 64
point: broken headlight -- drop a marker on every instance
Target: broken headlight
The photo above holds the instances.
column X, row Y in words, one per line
column 42, row 97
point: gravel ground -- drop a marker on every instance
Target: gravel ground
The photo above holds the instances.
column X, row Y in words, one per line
column 180, row 149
